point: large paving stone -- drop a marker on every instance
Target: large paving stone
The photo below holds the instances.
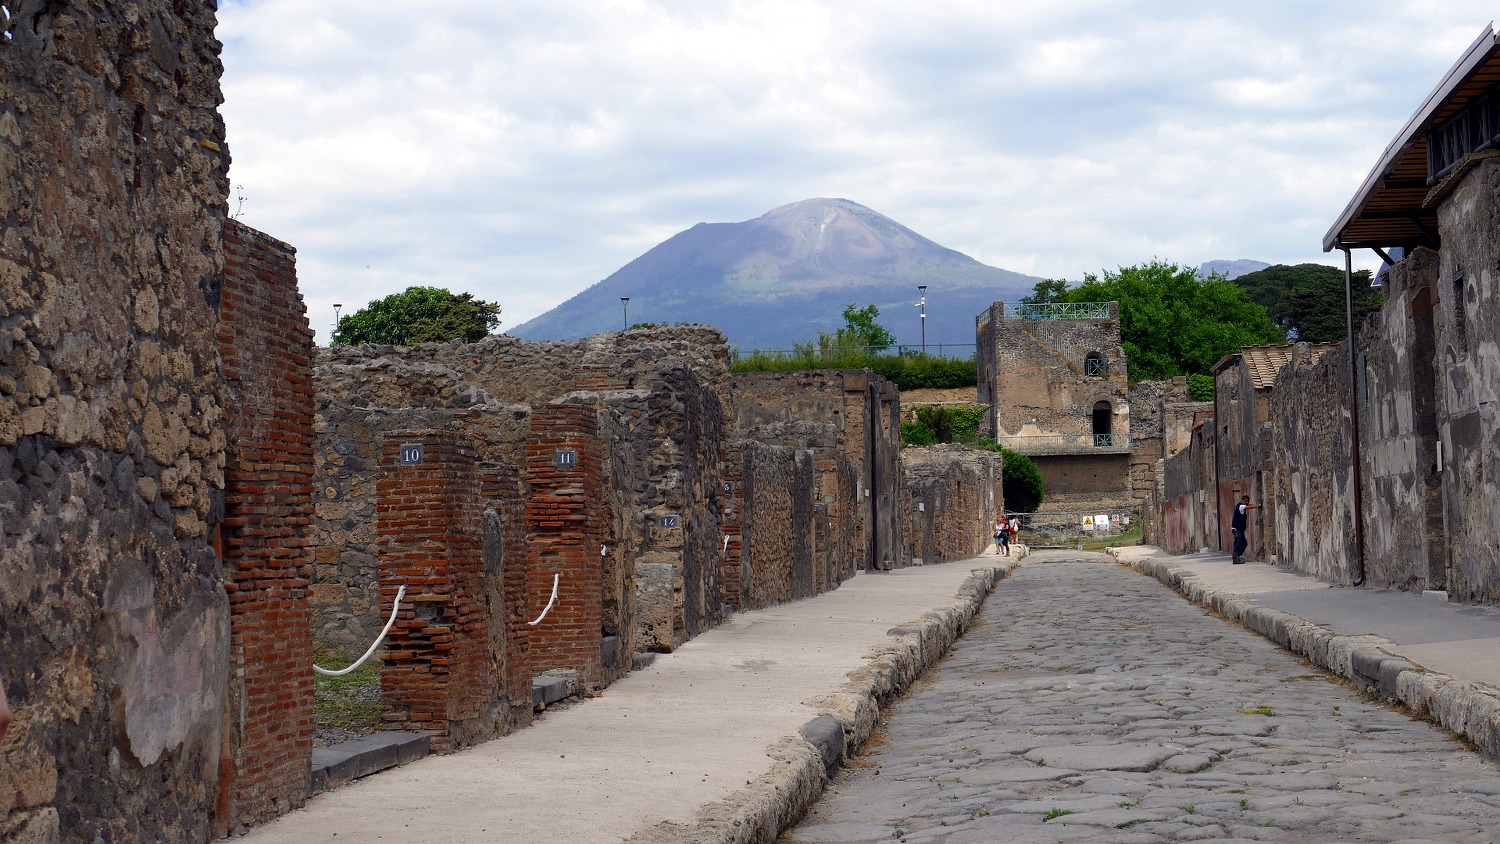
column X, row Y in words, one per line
column 1100, row 757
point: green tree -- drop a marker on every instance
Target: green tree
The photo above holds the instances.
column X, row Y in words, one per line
column 861, row 329
column 419, row 315
column 1021, row 483
column 1173, row 321
column 1046, row 291
column 1307, row 300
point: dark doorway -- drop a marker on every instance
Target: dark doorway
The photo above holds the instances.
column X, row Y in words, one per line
column 1104, row 416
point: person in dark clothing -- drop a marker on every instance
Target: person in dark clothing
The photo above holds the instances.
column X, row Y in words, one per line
column 1237, row 526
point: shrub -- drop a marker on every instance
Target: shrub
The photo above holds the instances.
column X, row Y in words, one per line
column 915, row 433
column 1201, row 387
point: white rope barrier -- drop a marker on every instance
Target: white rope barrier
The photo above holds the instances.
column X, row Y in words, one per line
column 556, row 578
column 400, row 593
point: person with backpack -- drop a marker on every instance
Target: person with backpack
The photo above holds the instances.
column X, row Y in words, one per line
column 1002, row 536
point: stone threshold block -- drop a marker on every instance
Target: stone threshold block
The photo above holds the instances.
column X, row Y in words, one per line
column 348, row 761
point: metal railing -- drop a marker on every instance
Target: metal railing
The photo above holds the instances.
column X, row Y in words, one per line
column 943, row 350
column 1066, row 442
column 1062, row 310
column 1095, row 367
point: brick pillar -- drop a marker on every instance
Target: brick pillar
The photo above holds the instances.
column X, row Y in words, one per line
column 506, row 495
column 437, row 657
column 265, row 539
column 564, row 468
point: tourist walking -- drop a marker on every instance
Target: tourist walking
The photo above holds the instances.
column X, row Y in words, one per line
column 1237, row 526
column 1002, row 536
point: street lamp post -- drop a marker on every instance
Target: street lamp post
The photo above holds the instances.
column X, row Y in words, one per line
column 624, row 312
column 336, row 307
column 922, row 289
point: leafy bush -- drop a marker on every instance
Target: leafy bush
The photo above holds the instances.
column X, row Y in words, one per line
column 915, row 433
column 1201, row 387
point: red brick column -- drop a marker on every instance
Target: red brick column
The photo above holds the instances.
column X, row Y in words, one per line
column 506, row 494
column 437, row 657
column 266, row 348
column 564, row 468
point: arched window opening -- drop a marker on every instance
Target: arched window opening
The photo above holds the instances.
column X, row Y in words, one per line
column 1104, row 415
column 1094, row 365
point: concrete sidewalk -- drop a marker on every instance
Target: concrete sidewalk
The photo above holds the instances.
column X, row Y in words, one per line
column 706, row 744
column 1441, row 660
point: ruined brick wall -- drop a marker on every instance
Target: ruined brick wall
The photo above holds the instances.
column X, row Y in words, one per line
column 516, row 371
column 663, row 389
column 1188, row 517
column 858, row 441
column 1467, row 356
column 952, row 504
column 778, row 488
column 1312, row 479
column 438, row 662
column 1161, row 422
column 266, row 348
column 350, row 422
column 1243, row 431
column 663, row 453
column 114, row 649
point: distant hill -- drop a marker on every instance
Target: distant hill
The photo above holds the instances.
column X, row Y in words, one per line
column 784, row 276
column 1232, row 269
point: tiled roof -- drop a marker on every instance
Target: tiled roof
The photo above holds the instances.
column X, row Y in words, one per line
column 1264, row 362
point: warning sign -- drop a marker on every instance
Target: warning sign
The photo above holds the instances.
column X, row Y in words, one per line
column 1088, row 523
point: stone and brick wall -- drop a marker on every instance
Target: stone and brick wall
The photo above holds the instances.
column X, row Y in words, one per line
column 266, row 348
column 438, row 671
column 776, row 488
column 1313, row 479
column 851, row 421
column 1466, row 356
column 346, row 460
column 115, row 642
column 565, row 474
column 953, row 499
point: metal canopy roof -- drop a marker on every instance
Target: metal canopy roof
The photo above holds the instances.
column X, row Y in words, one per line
column 1388, row 209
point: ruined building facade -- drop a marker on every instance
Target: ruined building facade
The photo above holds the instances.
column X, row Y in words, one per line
column 1055, row 379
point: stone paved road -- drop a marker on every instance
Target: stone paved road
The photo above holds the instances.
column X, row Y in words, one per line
column 1093, row 704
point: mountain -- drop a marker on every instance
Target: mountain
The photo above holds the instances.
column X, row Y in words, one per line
column 1232, row 269
column 788, row 274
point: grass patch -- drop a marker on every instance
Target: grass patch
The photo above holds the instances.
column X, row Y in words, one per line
column 350, row 702
column 1258, row 710
column 1055, row 812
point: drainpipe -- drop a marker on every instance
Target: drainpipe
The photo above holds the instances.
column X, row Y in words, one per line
column 1359, row 494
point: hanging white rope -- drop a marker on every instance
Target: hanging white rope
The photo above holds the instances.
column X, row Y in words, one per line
column 556, row 578
column 400, row 593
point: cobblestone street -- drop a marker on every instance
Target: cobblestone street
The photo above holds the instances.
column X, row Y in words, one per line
column 1091, row 703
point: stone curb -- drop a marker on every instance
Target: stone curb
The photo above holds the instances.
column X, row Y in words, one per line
column 760, row 812
column 1463, row 708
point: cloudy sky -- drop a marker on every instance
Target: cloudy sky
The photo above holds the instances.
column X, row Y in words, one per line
column 525, row 149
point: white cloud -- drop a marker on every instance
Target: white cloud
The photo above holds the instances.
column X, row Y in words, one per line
column 526, row 150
